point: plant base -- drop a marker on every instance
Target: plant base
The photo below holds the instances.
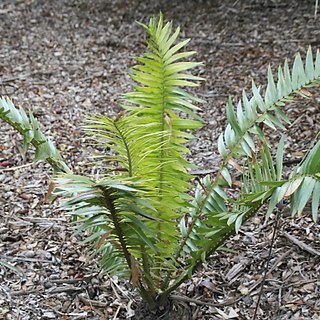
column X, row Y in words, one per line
column 172, row 310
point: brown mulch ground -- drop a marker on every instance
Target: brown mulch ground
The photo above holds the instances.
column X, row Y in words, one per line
column 64, row 59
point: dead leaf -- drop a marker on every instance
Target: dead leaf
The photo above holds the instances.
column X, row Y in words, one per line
column 306, row 93
column 49, row 192
column 135, row 274
column 235, row 165
column 293, row 187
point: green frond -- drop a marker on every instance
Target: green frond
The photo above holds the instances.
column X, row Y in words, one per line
column 302, row 185
column 115, row 214
column 213, row 219
column 125, row 140
column 208, row 224
column 237, row 139
column 213, row 214
column 243, row 130
column 149, row 142
column 29, row 128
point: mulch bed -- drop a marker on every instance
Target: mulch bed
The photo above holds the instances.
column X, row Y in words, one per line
column 65, row 59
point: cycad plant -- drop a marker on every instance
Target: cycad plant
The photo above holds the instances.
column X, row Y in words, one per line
column 146, row 219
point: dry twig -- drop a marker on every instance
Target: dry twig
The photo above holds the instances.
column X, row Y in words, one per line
column 301, row 244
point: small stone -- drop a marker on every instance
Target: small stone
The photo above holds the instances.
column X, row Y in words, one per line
column 26, row 196
column 4, row 163
column 29, row 254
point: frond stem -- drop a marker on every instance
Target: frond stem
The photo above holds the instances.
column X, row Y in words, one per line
column 126, row 147
column 109, row 201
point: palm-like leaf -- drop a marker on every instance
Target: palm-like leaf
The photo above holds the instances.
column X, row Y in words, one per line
column 156, row 103
column 303, row 184
column 29, row 128
column 140, row 215
column 149, row 140
column 109, row 209
column 209, row 223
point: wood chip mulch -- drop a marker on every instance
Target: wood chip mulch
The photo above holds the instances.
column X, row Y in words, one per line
column 64, row 59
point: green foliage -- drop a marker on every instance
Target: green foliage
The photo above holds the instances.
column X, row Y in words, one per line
column 140, row 215
column 29, row 128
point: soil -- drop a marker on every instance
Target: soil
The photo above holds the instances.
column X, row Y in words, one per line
column 173, row 310
column 64, row 59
